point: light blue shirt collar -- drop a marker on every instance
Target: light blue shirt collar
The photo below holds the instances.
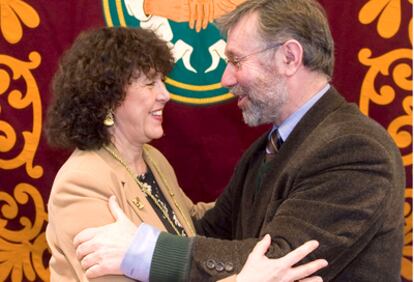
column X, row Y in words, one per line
column 287, row 126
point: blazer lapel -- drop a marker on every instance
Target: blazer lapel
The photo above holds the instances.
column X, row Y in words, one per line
column 133, row 193
column 135, row 196
column 271, row 176
column 326, row 104
column 167, row 188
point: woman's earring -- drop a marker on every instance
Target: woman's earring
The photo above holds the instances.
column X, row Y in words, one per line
column 109, row 119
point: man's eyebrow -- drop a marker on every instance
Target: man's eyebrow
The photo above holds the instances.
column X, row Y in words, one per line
column 230, row 54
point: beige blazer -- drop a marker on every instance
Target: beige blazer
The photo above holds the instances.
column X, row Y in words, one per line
column 79, row 199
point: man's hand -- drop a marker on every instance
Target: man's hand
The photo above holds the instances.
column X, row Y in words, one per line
column 260, row 268
column 102, row 249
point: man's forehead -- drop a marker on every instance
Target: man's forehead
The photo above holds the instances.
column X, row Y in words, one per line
column 243, row 35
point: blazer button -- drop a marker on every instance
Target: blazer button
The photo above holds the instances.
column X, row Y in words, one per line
column 220, row 267
column 228, row 267
column 211, row 264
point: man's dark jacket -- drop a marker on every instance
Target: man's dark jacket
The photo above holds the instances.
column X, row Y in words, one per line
column 338, row 178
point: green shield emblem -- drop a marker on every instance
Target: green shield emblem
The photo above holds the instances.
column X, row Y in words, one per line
column 199, row 56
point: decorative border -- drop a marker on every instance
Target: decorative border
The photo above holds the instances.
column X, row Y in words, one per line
column 397, row 64
column 22, row 250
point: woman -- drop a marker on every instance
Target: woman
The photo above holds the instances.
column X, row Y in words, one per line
column 108, row 104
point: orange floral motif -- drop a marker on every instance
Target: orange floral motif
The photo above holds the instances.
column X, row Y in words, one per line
column 398, row 130
column 22, row 250
column 18, row 100
column 14, row 13
column 388, row 13
column 394, row 64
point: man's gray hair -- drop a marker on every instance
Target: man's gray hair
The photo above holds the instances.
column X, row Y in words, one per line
column 281, row 20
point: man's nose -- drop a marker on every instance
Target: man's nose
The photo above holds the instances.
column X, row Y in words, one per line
column 228, row 79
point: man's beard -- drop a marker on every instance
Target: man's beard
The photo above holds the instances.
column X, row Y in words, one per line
column 265, row 100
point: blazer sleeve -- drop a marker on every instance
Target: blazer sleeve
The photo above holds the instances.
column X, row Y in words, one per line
column 79, row 200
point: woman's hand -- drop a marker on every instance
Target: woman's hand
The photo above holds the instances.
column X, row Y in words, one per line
column 258, row 267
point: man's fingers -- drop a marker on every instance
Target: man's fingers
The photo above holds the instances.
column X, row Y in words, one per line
column 115, row 209
column 100, row 266
column 299, row 253
column 88, row 261
column 308, row 268
column 95, row 271
column 85, row 249
column 262, row 246
column 84, row 235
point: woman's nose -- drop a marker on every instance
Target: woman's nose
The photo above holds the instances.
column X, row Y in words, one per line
column 164, row 95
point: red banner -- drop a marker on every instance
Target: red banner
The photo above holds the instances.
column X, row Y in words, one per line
column 205, row 134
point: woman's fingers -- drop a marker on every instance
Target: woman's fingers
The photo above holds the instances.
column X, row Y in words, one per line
column 303, row 270
column 307, row 269
column 312, row 279
column 299, row 253
column 262, row 246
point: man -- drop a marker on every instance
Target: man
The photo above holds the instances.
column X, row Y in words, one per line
column 324, row 171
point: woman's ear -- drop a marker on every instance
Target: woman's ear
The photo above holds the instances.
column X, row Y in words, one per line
column 292, row 55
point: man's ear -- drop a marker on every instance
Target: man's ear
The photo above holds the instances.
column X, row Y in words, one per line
column 292, row 55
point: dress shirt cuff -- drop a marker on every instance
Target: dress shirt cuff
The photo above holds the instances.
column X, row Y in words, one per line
column 137, row 261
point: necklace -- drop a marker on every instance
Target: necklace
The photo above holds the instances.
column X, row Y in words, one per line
column 144, row 187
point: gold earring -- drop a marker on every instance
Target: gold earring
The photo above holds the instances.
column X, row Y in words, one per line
column 109, row 119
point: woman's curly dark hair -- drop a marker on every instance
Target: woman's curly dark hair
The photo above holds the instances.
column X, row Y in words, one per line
column 91, row 78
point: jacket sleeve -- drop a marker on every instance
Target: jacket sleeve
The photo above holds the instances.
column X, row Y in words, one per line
column 78, row 201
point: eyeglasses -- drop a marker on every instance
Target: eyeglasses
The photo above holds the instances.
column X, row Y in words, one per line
column 236, row 61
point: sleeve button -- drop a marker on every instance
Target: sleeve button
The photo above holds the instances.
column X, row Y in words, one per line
column 211, row 264
column 220, row 266
column 228, row 267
